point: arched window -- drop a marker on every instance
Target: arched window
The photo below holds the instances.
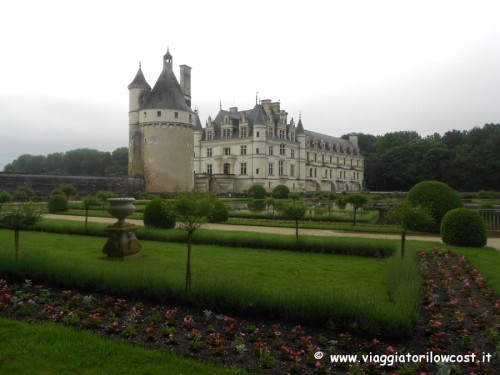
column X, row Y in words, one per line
column 227, row 168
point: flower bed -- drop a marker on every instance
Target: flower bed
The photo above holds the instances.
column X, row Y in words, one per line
column 459, row 316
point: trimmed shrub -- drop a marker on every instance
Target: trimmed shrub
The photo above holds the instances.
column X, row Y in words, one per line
column 219, row 212
column 463, row 227
column 257, row 192
column 159, row 213
column 437, row 197
column 58, row 203
column 281, row 192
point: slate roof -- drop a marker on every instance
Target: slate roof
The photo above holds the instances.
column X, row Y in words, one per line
column 167, row 92
column 139, row 81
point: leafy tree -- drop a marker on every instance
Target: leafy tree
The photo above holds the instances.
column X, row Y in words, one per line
column 89, row 201
column 437, row 197
column 4, row 198
column 295, row 210
column 257, row 192
column 69, row 191
column 219, row 212
column 24, row 194
column 463, row 227
column 103, row 197
column 19, row 217
column 159, row 213
column 407, row 216
column 358, row 201
column 192, row 209
column 281, row 192
column 58, row 203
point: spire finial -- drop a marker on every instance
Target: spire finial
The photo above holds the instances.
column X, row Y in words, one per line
column 220, row 104
column 140, row 65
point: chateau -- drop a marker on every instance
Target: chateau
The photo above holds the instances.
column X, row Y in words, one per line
column 170, row 150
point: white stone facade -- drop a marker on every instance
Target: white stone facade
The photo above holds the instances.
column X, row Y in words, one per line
column 170, row 151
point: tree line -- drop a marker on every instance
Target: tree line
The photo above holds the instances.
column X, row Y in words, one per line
column 82, row 161
column 466, row 160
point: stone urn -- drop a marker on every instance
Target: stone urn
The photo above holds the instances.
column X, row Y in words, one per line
column 122, row 242
column 121, row 208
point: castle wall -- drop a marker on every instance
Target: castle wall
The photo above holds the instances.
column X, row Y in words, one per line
column 43, row 185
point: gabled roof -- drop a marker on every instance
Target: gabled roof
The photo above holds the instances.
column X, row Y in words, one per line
column 167, row 92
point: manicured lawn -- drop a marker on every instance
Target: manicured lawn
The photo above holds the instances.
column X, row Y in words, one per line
column 305, row 286
column 47, row 349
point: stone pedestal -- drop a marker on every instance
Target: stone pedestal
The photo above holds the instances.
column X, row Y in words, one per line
column 122, row 242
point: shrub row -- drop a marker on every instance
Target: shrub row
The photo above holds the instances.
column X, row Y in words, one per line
column 318, row 244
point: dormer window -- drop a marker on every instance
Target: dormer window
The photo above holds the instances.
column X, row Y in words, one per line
column 226, row 133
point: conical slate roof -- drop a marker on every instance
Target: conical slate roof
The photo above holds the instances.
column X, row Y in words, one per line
column 300, row 127
column 167, row 92
column 139, row 81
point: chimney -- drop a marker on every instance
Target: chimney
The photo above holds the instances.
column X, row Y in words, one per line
column 186, row 83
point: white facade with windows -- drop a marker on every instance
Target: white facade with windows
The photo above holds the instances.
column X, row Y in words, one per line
column 238, row 149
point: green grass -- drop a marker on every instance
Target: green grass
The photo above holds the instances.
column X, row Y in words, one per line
column 44, row 349
column 327, row 244
column 308, row 287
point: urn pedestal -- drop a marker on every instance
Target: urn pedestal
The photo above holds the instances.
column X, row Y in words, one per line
column 122, row 242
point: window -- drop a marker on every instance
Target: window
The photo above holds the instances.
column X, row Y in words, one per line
column 270, row 150
column 243, row 150
column 227, row 151
column 280, row 168
column 282, row 149
column 226, row 133
column 209, row 152
column 158, row 113
column 257, row 134
column 292, row 153
column 281, row 134
column 292, row 136
column 243, row 168
column 144, row 114
column 292, row 170
column 209, row 169
column 227, row 168
column 243, row 131
column 257, row 150
column 190, row 118
column 270, row 132
column 176, row 114
column 323, row 159
column 210, row 135
column 271, row 169
column 307, row 156
column 257, row 171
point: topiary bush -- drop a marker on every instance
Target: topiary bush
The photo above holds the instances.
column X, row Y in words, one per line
column 463, row 227
column 437, row 197
column 257, row 192
column 58, row 203
column 159, row 213
column 281, row 192
column 219, row 212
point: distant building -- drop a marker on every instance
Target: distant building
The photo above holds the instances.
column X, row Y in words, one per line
column 171, row 151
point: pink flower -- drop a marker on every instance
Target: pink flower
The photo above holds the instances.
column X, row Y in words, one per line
column 390, row 350
column 375, row 341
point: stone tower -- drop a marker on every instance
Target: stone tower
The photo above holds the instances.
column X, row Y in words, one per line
column 161, row 130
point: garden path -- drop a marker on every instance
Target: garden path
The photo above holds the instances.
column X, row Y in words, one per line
column 493, row 242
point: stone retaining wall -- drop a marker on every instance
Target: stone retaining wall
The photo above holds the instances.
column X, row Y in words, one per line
column 43, row 185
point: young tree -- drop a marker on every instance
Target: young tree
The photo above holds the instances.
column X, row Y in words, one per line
column 357, row 201
column 19, row 217
column 408, row 216
column 295, row 210
column 4, row 198
column 88, row 201
column 69, row 191
column 192, row 209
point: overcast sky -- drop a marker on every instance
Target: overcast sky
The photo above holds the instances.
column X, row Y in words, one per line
column 346, row 66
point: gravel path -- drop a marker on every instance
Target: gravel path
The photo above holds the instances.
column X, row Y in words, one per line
column 492, row 242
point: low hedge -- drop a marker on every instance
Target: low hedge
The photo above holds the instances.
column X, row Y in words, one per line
column 327, row 244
